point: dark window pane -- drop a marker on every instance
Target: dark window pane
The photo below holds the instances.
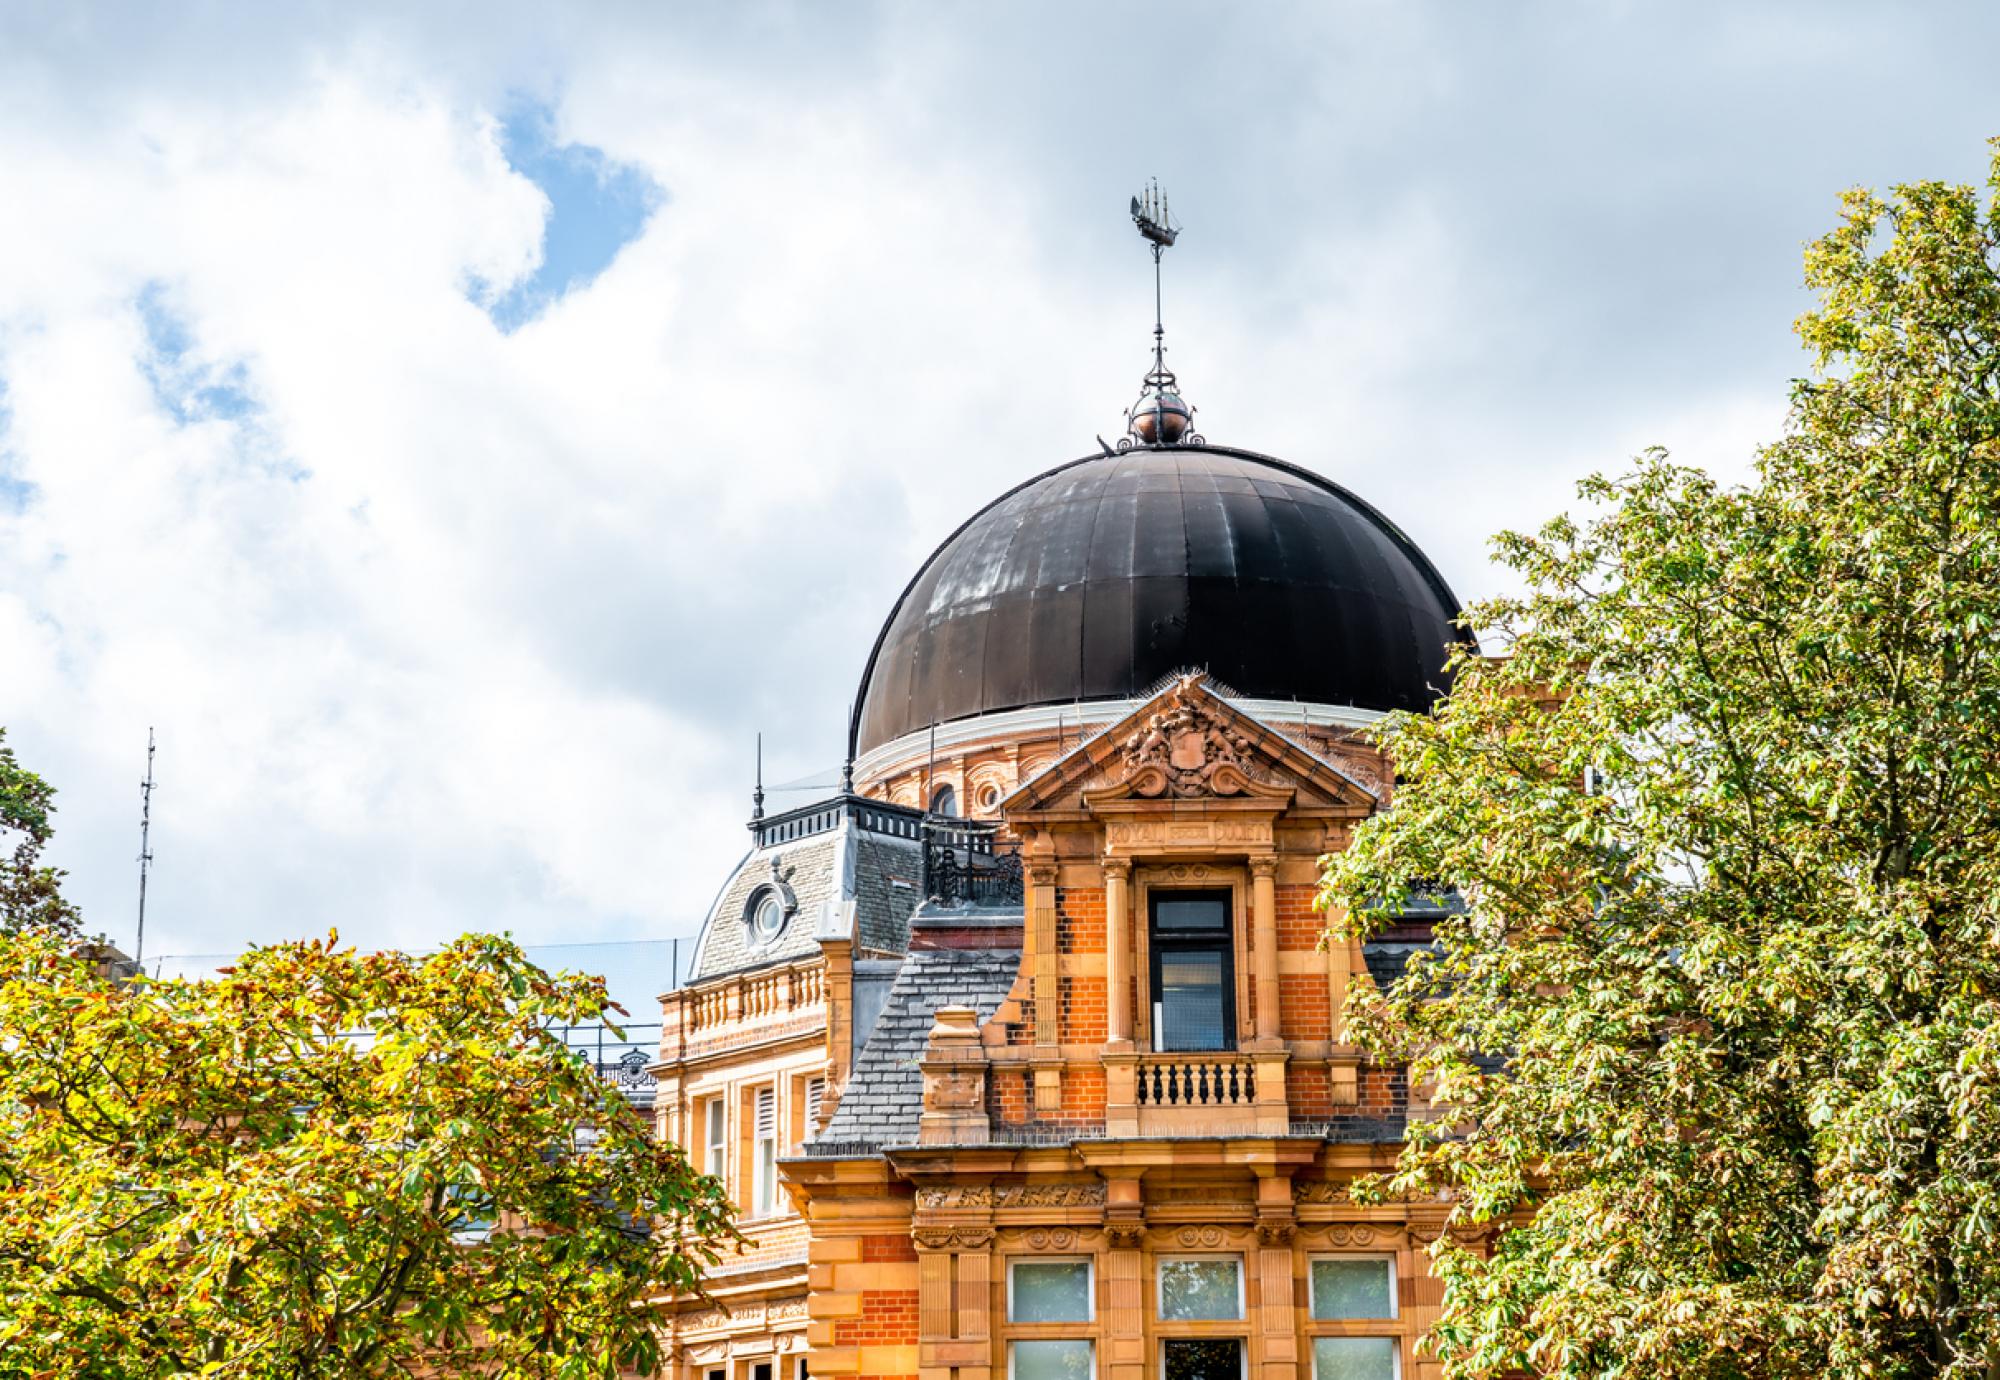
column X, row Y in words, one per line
column 1191, row 1005
column 1189, row 1359
column 1197, row 913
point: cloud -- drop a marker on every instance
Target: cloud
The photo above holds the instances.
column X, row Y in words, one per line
column 459, row 438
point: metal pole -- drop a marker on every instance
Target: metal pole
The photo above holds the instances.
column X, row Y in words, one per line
column 145, row 846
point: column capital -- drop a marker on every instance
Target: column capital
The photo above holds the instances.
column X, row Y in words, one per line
column 1118, row 867
column 1041, row 874
column 1263, row 864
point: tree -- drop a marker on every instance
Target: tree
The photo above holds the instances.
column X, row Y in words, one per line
column 327, row 1163
column 1716, row 1039
column 30, row 893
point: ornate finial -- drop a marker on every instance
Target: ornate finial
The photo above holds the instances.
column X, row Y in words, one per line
column 757, row 795
column 1161, row 417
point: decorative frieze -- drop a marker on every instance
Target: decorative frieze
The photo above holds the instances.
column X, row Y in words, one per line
column 944, row 1196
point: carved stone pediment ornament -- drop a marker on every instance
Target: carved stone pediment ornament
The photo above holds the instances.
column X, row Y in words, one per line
column 1184, row 750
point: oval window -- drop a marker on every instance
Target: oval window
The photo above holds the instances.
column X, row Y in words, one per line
column 767, row 919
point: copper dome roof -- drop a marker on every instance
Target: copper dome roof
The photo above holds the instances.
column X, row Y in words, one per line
column 1095, row 580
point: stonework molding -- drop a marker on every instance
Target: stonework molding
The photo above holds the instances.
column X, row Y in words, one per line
column 1202, row 1238
column 1319, row 1191
column 1125, row 1233
column 1010, row 1195
column 788, row 1310
column 1352, row 1234
column 1052, row 1239
column 1049, row 1195
column 954, row 1238
column 1276, row 1231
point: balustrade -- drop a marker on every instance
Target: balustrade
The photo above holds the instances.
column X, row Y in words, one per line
column 1194, row 1080
column 773, row 993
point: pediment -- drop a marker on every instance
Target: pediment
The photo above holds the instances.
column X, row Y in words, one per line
column 1188, row 746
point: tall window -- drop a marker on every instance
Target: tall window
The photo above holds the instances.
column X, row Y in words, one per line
column 766, row 1173
column 1353, row 1289
column 1050, row 1291
column 944, row 801
column 717, row 1137
column 1194, row 972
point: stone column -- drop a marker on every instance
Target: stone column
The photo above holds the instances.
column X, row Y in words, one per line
column 1264, row 932
column 1118, row 950
column 1124, row 1356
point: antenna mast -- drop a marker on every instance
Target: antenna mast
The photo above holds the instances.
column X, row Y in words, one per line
column 145, row 845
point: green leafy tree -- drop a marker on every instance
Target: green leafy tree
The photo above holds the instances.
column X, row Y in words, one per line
column 221, row 1177
column 30, row 893
column 1716, row 1040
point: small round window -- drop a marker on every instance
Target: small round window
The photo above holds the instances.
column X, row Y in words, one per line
column 767, row 917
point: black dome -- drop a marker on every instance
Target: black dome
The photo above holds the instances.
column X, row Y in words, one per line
column 1104, row 575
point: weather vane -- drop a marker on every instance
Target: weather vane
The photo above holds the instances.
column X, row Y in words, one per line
column 1161, row 417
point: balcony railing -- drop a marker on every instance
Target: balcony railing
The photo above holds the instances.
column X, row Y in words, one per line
column 967, row 863
column 1196, row 1080
column 774, row 992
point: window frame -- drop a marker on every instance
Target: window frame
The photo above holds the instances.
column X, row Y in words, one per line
column 763, row 1178
column 1160, row 1286
column 1089, row 1292
column 1387, row 1259
column 715, row 1136
column 1221, row 940
column 1395, row 1341
column 1090, row 1343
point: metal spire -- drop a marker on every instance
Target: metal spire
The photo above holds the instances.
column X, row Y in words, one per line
column 1160, row 417
column 145, row 845
column 757, row 795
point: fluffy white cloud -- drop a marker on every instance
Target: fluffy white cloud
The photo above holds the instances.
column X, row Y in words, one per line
column 447, row 626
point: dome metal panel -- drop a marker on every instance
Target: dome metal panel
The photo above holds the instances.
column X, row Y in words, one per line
column 1098, row 578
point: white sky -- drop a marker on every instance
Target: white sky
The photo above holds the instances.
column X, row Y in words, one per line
column 446, row 627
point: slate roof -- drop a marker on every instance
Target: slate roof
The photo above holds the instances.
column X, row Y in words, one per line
column 888, row 876
column 884, row 1096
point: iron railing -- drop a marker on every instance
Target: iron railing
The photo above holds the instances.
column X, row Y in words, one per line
column 619, row 1062
column 967, row 863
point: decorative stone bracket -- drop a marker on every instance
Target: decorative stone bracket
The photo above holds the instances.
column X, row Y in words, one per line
column 954, row 1069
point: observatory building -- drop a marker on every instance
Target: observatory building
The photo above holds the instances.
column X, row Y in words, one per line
column 1021, row 1053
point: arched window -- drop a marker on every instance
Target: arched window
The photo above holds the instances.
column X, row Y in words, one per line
column 944, row 801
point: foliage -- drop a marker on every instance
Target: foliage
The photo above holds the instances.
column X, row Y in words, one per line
column 221, row 1177
column 1746, row 990
column 30, row 893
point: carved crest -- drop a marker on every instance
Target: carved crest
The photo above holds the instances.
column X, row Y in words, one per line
column 1184, row 750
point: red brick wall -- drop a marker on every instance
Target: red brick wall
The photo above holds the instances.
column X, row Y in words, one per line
column 875, row 1248
column 1305, row 1006
column 888, row 1318
column 1310, row 1093
column 1299, row 925
column 1080, row 920
column 1008, row 1096
column 1083, row 1018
